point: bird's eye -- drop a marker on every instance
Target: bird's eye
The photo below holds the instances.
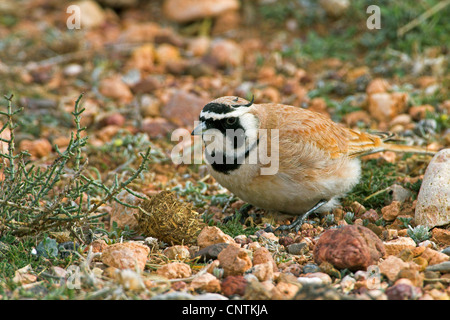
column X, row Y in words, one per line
column 231, row 121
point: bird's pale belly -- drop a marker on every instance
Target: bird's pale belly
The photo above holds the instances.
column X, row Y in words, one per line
column 281, row 194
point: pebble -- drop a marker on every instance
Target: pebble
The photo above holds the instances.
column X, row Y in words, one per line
column 350, row 247
column 395, row 246
column 297, row 248
column 212, row 235
column 433, row 201
column 311, row 268
column 175, row 270
column 234, row 260
column 210, row 252
column 185, row 11
column 262, row 255
column 446, row 251
column 127, row 255
column 443, row 267
column 234, row 285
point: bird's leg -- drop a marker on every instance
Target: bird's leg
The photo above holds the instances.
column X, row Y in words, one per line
column 300, row 219
column 243, row 212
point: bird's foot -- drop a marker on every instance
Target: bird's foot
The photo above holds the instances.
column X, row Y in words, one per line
column 298, row 222
column 242, row 213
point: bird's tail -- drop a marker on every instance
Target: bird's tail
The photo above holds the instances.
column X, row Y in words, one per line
column 405, row 148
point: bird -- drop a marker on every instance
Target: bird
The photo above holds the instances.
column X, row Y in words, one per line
column 317, row 160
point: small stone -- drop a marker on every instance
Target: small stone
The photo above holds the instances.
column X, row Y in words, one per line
column 391, row 266
column 206, row 282
column 420, row 112
column 175, row 270
column 325, row 278
column 212, row 235
column 262, row 255
column 177, row 252
column 434, row 257
column 378, row 85
column 38, row 148
column 402, row 292
column 263, row 271
column 371, row 215
column 127, row 255
column 413, row 275
column 234, row 285
column 183, row 108
column 297, row 248
column 352, row 247
column 234, row 260
column 433, row 201
column 124, row 216
column 256, row 290
column 91, row 14
column 394, row 247
column 199, row 46
column 73, row 70
column 98, row 245
column 446, row 251
column 391, row 211
column 116, row 89
column 385, row 106
column 284, row 291
column 335, row 8
column 157, row 127
column 225, row 53
column 311, row 268
column 211, row 252
column 142, row 59
column 399, row 193
column 189, row 10
column 441, row 235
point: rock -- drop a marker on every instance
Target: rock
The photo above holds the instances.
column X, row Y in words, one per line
column 127, row 255
column 91, row 14
column 124, row 216
column 394, row 247
column 441, row 235
column 177, row 252
column 262, row 255
column 391, row 211
column 98, row 245
column 385, row 106
column 352, row 247
column 38, row 148
column 399, row 193
column 183, row 108
column 371, row 215
column 391, row 266
column 378, row 85
column 298, row 248
column 175, row 270
column 324, row 278
column 212, row 235
column 433, row 201
column 263, row 271
column 188, row 10
column 234, row 260
column 403, row 292
column 443, row 267
column 420, row 112
column 116, row 89
column 199, row 46
column 142, row 58
column 226, row 53
column 72, row 70
column 206, row 282
column 434, row 257
column 335, row 8
column 234, row 285
column 284, row 291
column 157, row 127
column 166, row 53
column 256, row 290
column 211, row 252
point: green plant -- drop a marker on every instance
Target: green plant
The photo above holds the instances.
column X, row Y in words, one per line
column 349, row 217
column 59, row 197
column 405, row 221
column 419, row 233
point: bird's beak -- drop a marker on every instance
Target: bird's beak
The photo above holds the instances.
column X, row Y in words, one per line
column 198, row 130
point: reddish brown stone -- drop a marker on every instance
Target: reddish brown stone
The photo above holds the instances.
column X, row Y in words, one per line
column 232, row 285
column 350, row 247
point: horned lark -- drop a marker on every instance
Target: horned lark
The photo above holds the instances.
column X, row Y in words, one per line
column 317, row 160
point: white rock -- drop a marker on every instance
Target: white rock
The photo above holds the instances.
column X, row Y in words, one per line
column 188, row 10
column 433, row 202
